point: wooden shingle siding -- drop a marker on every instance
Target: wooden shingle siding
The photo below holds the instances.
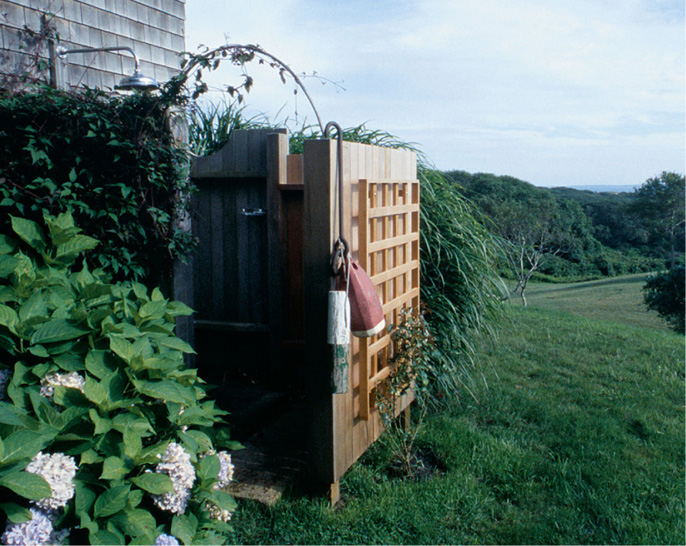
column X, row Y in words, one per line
column 153, row 28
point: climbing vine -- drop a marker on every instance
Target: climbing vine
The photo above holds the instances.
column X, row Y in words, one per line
column 111, row 161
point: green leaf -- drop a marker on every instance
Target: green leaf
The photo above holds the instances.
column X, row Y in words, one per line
column 8, row 317
column 84, row 497
column 153, row 309
column 90, row 456
column 34, row 307
column 150, row 454
column 7, row 265
column 99, row 363
column 144, row 540
column 61, row 228
column 39, row 350
column 208, row 469
column 7, row 244
column 141, row 291
column 45, row 411
column 70, row 362
column 28, row 485
column 223, row 500
column 198, row 416
column 16, row 513
column 122, row 348
column 114, row 468
column 134, row 499
column 24, row 444
column 12, row 415
column 184, row 527
column 67, row 396
column 29, row 232
column 202, row 440
column 177, row 344
column 135, row 522
column 154, row 483
column 86, row 522
column 177, row 308
column 94, row 391
column 7, row 294
column 56, row 330
column 103, row 537
column 166, row 390
column 102, row 425
column 111, row 501
column 136, row 423
column 133, row 444
column 67, row 252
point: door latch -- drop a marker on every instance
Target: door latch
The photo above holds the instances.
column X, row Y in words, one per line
column 253, row 212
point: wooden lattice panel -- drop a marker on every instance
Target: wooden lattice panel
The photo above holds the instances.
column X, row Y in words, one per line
column 389, row 253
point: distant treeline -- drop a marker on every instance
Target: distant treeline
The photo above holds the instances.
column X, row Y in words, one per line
column 580, row 233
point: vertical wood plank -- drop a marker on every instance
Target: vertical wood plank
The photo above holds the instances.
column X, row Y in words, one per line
column 318, row 236
column 240, row 151
column 230, row 271
column 343, row 411
column 217, row 252
column 202, row 229
column 364, row 262
column 277, row 174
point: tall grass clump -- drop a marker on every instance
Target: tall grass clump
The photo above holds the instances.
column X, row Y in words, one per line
column 460, row 285
column 211, row 125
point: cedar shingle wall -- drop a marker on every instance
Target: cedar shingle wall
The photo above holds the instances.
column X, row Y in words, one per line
column 153, row 28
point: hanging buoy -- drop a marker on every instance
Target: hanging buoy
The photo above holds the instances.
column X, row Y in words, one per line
column 338, row 335
column 366, row 311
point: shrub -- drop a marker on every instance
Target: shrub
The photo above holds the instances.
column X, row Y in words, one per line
column 104, row 433
column 109, row 160
column 664, row 293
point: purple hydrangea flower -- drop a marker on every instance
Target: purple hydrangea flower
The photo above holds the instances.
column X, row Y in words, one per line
column 37, row 531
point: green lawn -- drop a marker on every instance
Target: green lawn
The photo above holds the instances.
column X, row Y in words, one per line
column 576, row 436
column 618, row 299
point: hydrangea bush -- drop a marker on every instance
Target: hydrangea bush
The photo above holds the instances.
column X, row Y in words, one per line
column 105, row 436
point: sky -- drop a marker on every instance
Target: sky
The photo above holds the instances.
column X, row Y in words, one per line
column 554, row 92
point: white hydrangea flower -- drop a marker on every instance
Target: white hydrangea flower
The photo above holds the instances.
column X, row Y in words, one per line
column 166, row 540
column 226, row 471
column 225, row 468
column 59, row 471
column 39, row 530
column 5, row 376
column 176, row 463
column 217, row 513
column 71, row 380
column 223, row 479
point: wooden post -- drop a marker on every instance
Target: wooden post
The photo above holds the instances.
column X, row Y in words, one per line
column 318, row 237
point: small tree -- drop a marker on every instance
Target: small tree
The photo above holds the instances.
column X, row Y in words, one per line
column 664, row 293
column 659, row 203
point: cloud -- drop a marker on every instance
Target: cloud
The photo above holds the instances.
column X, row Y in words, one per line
column 543, row 78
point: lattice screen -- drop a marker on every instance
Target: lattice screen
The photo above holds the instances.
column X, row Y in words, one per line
column 389, row 253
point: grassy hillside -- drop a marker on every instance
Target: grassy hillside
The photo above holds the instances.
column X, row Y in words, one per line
column 575, row 436
column 618, row 299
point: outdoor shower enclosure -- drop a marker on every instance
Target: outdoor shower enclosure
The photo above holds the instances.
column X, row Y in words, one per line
column 266, row 221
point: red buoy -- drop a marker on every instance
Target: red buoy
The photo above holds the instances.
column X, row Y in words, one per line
column 366, row 311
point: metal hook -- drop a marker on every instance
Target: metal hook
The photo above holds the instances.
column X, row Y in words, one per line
column 341, row 247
